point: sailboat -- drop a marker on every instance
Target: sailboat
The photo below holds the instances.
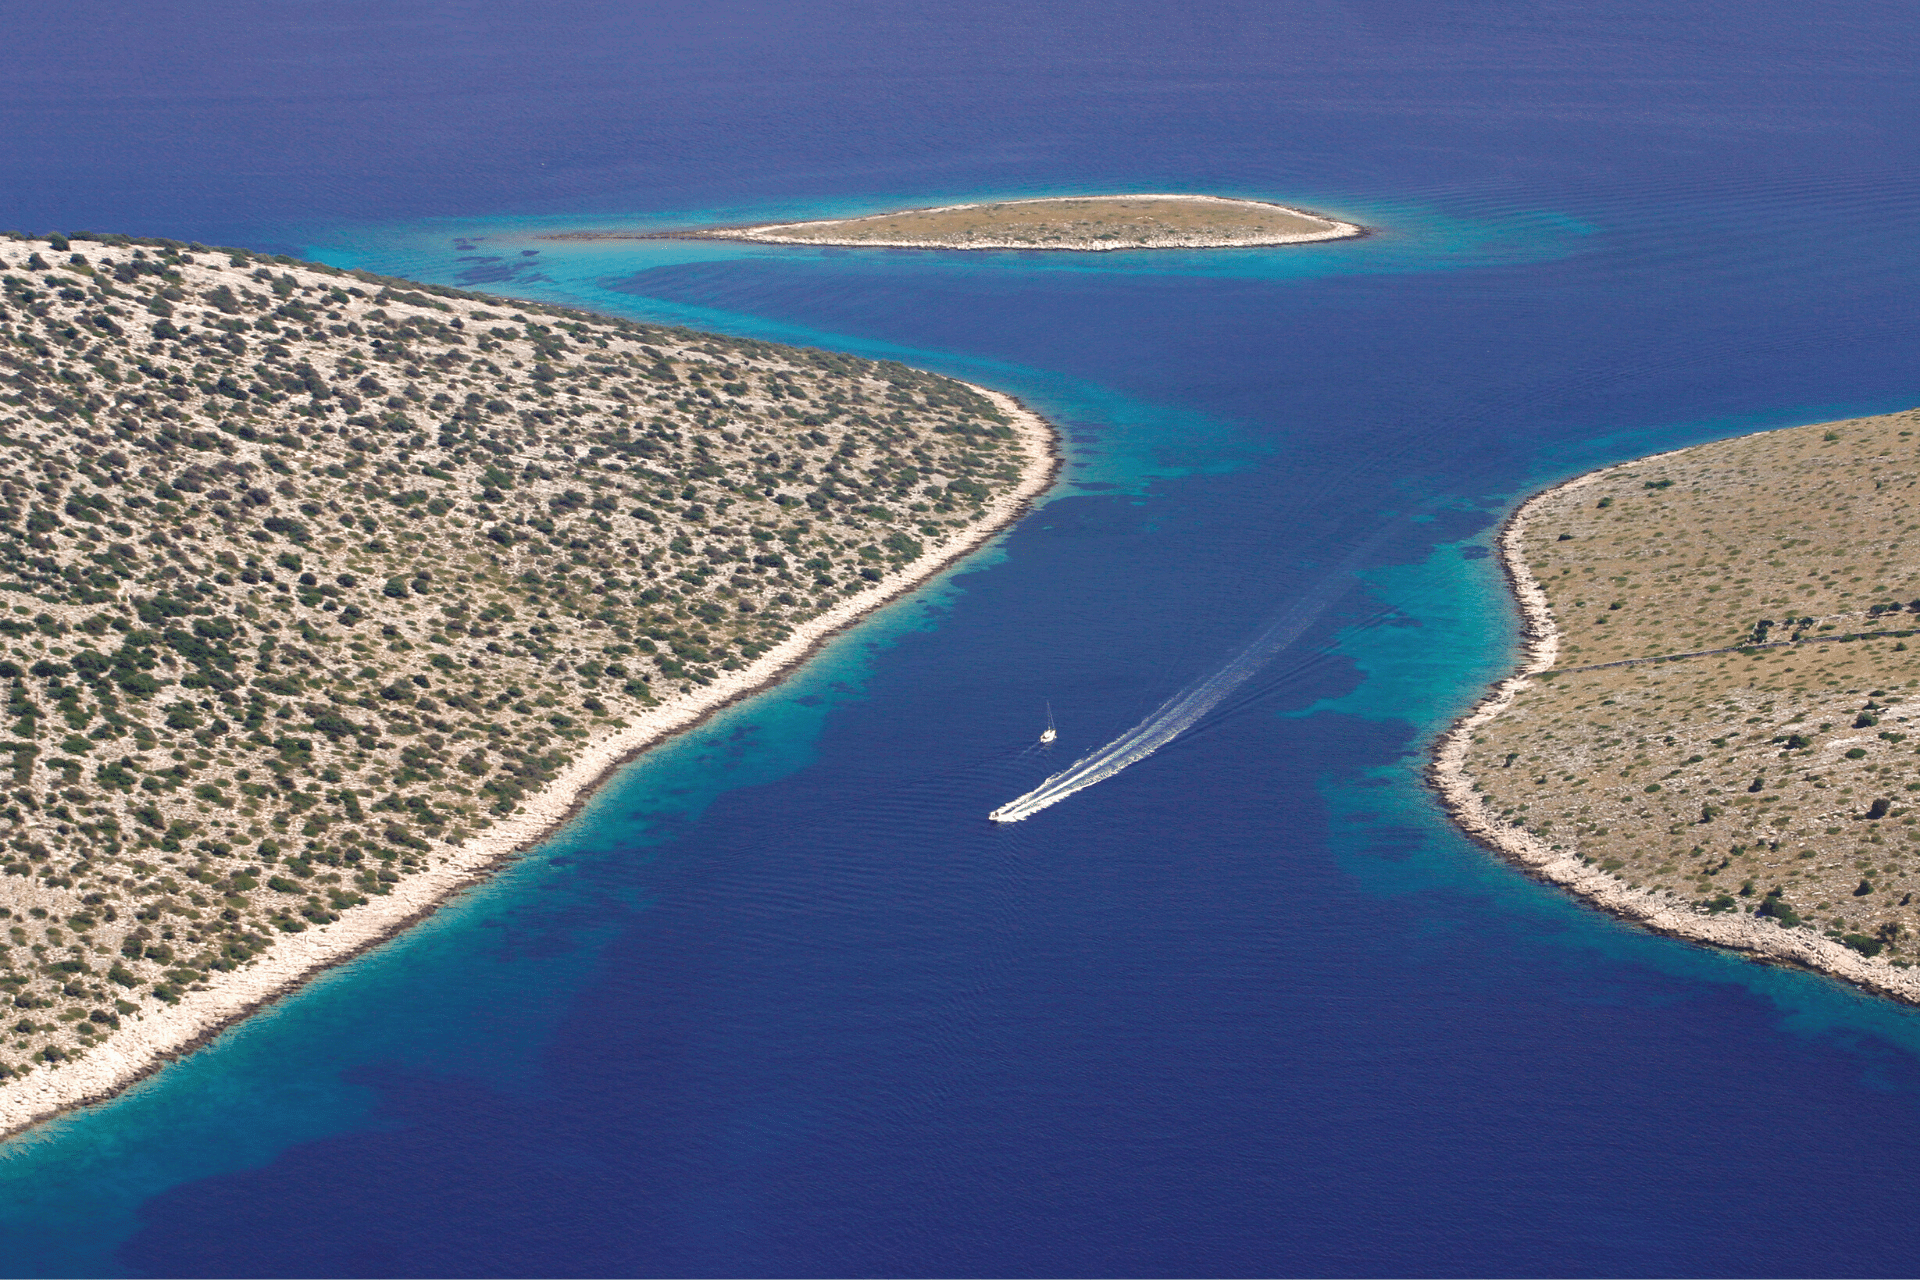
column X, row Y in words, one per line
column 1049, row 735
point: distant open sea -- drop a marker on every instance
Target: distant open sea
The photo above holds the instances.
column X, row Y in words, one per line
column 782, row 1002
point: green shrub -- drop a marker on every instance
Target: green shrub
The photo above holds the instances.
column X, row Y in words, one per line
column 1775, row 905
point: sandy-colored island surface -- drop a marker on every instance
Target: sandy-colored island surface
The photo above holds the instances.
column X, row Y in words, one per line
column 1083, row 223
column 320, row 593
column 1716, row 729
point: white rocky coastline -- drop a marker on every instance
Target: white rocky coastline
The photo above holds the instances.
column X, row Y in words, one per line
column 1759, row 937
column 156, row 1037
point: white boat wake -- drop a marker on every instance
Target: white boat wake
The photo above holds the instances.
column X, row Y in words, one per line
column 1180, row 712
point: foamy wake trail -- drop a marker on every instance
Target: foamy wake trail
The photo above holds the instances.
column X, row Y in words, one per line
column 1177, row 714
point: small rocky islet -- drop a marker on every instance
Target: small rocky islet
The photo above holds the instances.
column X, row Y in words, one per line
column 1085, row 224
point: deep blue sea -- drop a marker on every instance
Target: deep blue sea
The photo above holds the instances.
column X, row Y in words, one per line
column 782, row 1002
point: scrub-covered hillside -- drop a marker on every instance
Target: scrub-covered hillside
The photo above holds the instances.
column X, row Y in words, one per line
column 1730, row 723
column 307, row 576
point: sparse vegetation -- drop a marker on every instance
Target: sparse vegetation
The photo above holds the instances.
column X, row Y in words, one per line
column 1781, row 753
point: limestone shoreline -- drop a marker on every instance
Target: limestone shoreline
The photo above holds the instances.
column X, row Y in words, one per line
column 1759, row 937
column 143, row 1047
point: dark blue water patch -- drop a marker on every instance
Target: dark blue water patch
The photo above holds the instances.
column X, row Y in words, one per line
column 490, row 269
column 743, row 1099
column 1479, row 373
column 1394, row 843
column 407, row 109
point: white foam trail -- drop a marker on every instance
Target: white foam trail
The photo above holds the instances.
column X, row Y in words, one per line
column 1180, row 712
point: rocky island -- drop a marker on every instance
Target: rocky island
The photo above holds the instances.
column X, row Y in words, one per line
column 1716, row 729
column 1082, row 223
column 321, row 592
